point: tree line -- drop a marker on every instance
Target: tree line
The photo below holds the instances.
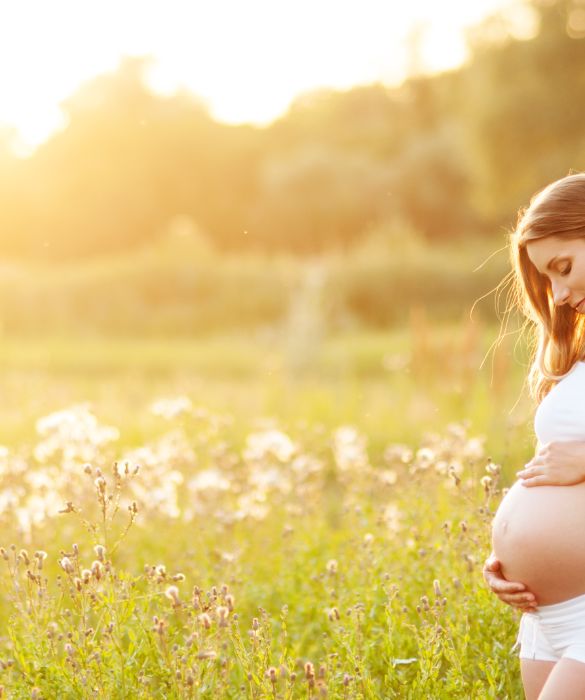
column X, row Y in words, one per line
column 449, row 156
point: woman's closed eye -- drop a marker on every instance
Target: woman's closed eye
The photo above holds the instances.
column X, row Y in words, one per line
column 566, row 271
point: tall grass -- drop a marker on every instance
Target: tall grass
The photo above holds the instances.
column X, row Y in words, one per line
column 207, row 519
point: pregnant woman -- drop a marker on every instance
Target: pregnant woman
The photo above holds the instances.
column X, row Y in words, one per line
column 538, row 535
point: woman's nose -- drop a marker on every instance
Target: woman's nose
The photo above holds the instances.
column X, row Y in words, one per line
column 560, row 293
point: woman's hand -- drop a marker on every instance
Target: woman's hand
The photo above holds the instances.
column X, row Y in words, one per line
column 555, row 464
column 514, row 594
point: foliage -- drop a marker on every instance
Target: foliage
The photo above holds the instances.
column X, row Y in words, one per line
column 451, row 155
column 293, row 565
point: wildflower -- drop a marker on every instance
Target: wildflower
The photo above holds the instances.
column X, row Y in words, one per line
column 160, row 627
column 66, row 565
column 230, row 601
column 100, row 551
column 334, row 614
column 100, row 484
column 425, row 457
column 222, row 613
column 272, row 673
column 23, row 554
column 86, row 575
column 78, row 583
column 486, row 482
column 493, row 469
column 69, row 508
column 309, row 670
column 207, row 654
column 437, row 588
column 332, row 566
column 172, row 593
column 171, row 408
column 205, row 620
column 40, row 556
column 368, row 539
column 97, row 569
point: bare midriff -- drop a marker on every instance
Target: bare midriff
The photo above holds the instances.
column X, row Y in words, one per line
column 538, row 534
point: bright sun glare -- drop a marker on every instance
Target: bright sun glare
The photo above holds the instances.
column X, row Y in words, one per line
column 247, row 61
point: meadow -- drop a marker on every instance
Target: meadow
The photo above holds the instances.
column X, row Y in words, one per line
column 232, row 517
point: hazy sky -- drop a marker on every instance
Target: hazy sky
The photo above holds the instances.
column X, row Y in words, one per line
column 246, row 58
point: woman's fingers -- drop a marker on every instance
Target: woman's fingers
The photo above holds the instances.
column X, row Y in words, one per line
column 501, row 585
column 540, row 480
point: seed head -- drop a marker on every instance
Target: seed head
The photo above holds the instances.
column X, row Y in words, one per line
column 332, row 566
column 172, row 593
column 222, row 614
column 309, row 670
column 437, row 587
column 100, row 551
column 40, row 556
column 66, row 565
column 23, row 554
column 207, row 654
column 334, row 614
column 100, row 484
column 97, row 569
column 205, row 620
column 230, row 601
column 86, row 575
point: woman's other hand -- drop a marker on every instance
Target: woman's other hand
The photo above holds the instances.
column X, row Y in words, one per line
column 509, row 592
column 555, row 464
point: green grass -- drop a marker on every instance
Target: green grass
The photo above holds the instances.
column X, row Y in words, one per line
column 333, row 546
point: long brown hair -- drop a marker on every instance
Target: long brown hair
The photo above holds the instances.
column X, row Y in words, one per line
column 558, row 331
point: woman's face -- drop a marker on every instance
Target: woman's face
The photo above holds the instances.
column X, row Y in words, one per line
column 563, row 262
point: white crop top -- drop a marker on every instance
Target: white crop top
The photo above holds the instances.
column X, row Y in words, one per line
column 560, row 416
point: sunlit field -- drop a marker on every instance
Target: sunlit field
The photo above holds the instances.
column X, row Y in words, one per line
column 212, row 519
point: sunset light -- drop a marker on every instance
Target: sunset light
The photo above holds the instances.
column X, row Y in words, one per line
column 247, row 61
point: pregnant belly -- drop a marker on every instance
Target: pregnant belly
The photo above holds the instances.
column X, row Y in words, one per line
column 539, row 536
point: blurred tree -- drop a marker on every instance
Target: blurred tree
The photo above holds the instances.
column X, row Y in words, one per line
column 317, row 197
column 524, row 106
